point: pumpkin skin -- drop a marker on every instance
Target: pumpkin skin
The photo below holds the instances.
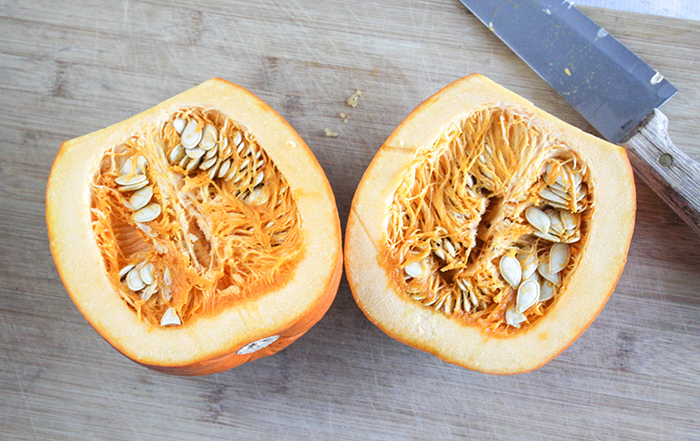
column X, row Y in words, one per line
column 208, row 344
column 593, row 281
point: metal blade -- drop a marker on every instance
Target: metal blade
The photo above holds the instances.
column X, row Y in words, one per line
column 605, row 82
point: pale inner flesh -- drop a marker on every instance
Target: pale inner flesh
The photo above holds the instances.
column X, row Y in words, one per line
column 488, row 223
column 191, row 215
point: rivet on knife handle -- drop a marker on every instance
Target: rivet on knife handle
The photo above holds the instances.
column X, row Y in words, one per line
column 672, row 174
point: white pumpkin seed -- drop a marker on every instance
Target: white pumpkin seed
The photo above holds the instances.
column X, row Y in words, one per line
column 195, row 152
column 244, row 165
column 148, row 213
column 124, row 271
column 223, row 169
column 447, row 246
column 179, row 125
column 210, row 154
column 514, row 318
column 558, row 257
column 133, row 280
column 259, row 179
column 538, row 219
column 146, row 274
column 547, row 236
column 133, row 187
column 546, row 290
column 438, row 252
column 544, row 272
column 209, row 135
column 240, row 147
column 528, row 263
column 237, row 138
column 550, row 196
column 414, row 270
column 568, row 219
column 193, row 164
column 147, row 293
column 207, row 164
column 511, row 271
column 213, row 171
column 184, row 162
column 191, row 135
column 528, row 295
column 177, row 154
column 134, row 165
column 167, row 277
column 140, row 198
column 170, row 318
column 127, row 180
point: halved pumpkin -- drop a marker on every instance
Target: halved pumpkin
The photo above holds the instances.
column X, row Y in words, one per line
column 198, row 235
column 487, row 232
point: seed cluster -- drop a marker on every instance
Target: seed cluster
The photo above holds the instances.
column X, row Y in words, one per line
column 486, row 222
column 193, row 214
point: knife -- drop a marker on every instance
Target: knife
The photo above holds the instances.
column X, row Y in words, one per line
column 606, row 83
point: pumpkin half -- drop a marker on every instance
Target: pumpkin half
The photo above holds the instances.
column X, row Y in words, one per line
column 198, row 235
column 487, row 232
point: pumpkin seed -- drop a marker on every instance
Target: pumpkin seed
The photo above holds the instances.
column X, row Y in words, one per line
column 124, row 271
column 134, row 165
column 528, row 295
column 179, row 125
column 193, row 164
column 528, row 263
column 133, row 187
column 223, row 169
column 209, row 135
column 213, row 170
column 195, row 152
column 133, row 280
column 414, row 270
column 546, row 290
column 170, row 318
column 167, row 278
column 148, row 292
column 514, row 318
column 148, row 213
column 511, row 271
column 550, row 196
column 542, row 268
column 177, row 154
column 207, row 164
column 210, row 154
column 191, row 135
column 146, row 274
column 558, row 257
column 538, row 219
column 128, row 180
column 140, row 198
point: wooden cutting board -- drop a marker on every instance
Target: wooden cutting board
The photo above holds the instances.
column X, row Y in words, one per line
column 71, row 68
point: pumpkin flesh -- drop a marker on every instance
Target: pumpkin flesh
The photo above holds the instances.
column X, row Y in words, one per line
column 445, row 200
column 239, row 269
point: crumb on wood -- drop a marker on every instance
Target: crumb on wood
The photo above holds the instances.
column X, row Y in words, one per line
column 354, row 98
column 344, row 117
column 330, row 133
column 375, row 71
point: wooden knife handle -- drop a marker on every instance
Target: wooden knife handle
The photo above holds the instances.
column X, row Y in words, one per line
column 672, row 174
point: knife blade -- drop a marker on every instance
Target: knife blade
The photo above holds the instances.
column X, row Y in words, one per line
column 612, row 88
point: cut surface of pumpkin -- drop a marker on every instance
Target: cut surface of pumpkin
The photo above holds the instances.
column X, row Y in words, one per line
column 487, row 232
column 197, row 235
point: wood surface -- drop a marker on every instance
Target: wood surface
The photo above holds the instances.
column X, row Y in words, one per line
column 68, row 68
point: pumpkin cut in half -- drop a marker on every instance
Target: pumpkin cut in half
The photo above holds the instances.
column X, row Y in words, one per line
column 198, row 235
column 487, row 232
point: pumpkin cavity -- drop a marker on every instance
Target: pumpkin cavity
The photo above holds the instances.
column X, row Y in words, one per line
column 190, row 215
column 487, row 224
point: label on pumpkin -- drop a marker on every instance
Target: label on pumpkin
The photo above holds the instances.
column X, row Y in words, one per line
column 257, row 345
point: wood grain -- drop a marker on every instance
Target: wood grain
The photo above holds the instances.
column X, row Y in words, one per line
column 673, row 176
column 71, row 69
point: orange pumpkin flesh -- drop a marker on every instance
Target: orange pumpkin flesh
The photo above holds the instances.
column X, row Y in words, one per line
column 450, row 204
column 246, row 261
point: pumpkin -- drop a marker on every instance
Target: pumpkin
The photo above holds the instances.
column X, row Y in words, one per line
column 488, row 232
column 198, row 235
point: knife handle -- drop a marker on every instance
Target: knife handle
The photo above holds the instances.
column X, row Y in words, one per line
column 672, row 174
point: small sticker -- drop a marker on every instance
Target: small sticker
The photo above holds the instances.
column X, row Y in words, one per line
column 657, row 78
column 257, row 345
